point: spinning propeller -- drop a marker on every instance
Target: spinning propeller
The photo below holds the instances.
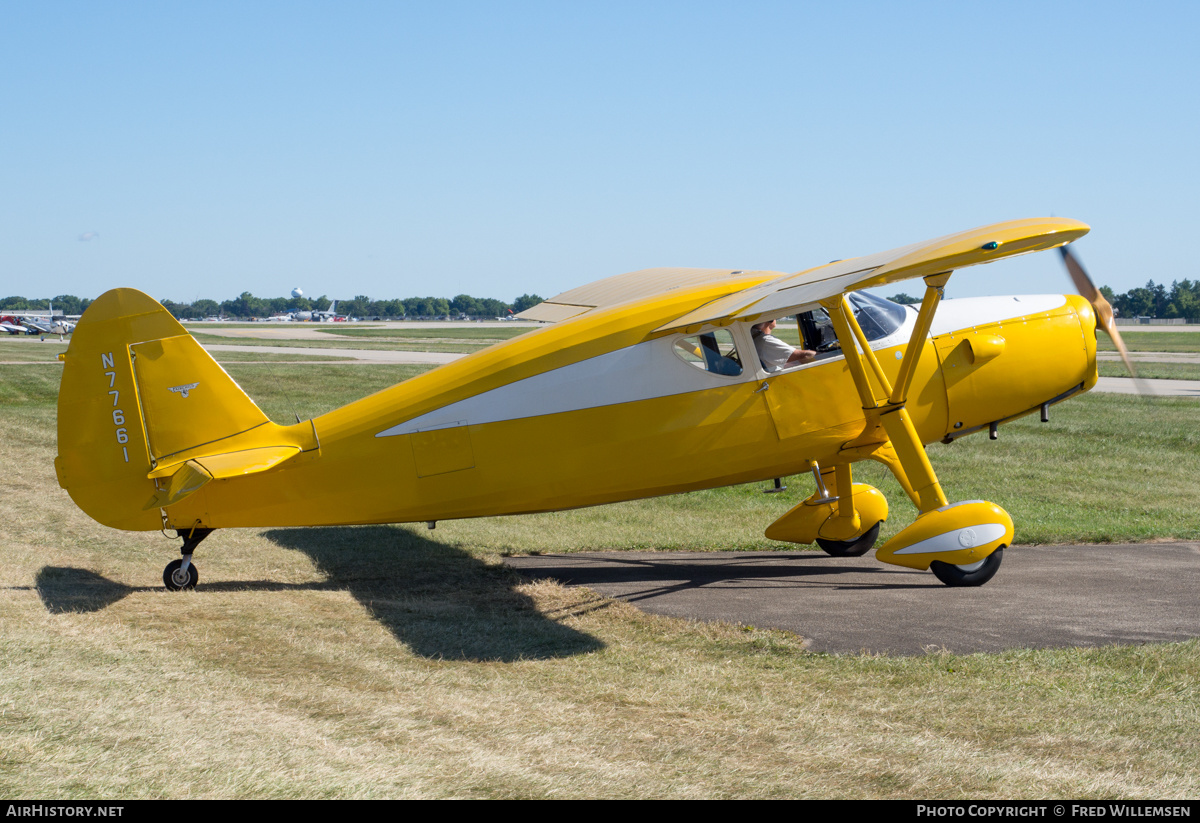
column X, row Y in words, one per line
column 1104, row 310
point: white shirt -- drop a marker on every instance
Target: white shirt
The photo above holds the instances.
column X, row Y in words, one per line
column 772, row 351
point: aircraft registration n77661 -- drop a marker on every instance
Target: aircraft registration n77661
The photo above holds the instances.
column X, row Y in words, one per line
column 643, row 384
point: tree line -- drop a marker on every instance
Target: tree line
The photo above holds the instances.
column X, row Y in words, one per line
column 1181, row 299
column 64, row 304
column 247, row 306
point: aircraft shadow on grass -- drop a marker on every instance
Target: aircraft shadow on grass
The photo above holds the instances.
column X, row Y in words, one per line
column 438, row 600
column 66, row 590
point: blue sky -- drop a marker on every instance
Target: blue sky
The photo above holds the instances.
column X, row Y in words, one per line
column 395, row 149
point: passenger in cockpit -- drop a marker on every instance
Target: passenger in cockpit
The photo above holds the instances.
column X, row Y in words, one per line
column 773, row 352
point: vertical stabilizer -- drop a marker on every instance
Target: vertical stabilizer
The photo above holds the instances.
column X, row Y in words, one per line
column 137, row 390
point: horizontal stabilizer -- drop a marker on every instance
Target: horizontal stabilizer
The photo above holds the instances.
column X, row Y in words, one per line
column 188, row 476
column 234, row 464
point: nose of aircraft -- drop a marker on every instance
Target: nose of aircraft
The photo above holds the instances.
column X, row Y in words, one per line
column 1088, row 326
column 1019, row 354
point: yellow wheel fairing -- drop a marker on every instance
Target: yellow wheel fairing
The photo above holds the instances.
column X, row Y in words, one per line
column 818, row 517
column 959, row 534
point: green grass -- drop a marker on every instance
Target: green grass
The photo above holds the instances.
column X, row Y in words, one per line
column 1152, row 341
column 788, row 334
column 391, row 661
column 1150, row 369
column 312, row 390
column 23, row 349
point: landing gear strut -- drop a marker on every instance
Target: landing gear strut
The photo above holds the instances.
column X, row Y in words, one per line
column 182, row 573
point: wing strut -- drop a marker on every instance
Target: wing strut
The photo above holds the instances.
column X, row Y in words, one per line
column 891, row 412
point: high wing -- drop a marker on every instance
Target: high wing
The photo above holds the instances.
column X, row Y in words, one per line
column 782, row 293
column 634, row 285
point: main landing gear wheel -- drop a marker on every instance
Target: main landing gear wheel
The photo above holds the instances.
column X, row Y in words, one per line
column 974, row 574
column 851, row 548
column 175, row 578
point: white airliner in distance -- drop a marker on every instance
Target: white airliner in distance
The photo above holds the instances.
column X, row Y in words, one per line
column 317, row 316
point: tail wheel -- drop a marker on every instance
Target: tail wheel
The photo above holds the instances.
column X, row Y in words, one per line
column 851, row 548
column 975, row 574
column 176, row 579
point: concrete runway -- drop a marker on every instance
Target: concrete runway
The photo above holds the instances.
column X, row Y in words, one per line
column 1151, row 356
column 357, row 355
column 1042, row 597
column 1163, row 388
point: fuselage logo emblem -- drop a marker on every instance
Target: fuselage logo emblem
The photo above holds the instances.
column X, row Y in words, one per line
column 183, row 390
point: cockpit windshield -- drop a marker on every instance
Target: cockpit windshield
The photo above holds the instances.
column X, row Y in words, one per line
column 877, row 317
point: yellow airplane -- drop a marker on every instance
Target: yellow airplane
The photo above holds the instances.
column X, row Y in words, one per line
column 643, row 384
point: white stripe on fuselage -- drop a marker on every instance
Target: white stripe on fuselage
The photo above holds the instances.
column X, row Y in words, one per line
column 640, row 372
column 965, row 312
column 651, row 370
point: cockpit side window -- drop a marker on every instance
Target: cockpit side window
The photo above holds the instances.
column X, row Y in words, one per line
column 816, row 330
column 876, row 317
column 712, row 351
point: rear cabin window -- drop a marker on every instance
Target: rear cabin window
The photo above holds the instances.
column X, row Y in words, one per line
column 712, row 351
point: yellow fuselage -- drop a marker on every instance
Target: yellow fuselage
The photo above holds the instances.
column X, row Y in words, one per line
column 550, row 421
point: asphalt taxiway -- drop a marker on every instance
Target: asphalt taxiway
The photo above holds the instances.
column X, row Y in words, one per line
column 1042, row 597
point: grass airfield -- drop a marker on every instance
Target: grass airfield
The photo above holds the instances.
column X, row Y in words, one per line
column 393, row 661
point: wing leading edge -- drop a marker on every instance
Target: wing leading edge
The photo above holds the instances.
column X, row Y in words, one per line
column 803, row 290
column 780, row 293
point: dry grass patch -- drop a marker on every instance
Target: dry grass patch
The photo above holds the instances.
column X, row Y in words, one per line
column 391, row 661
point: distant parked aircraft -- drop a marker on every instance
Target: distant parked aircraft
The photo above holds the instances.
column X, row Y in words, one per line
column 318, row 316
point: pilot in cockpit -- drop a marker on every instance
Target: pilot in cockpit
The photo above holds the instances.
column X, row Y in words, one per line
column 774, row 353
